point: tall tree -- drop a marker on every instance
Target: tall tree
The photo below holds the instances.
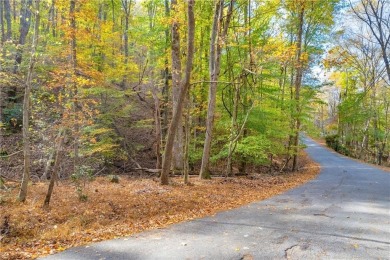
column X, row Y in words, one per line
column 185, row 84
column 218, row 37
column 298, row 81
column 24, row 27
column 2, row 32
column 26, row 107
column 178, row 144
column 73, row 47
column 7, row 14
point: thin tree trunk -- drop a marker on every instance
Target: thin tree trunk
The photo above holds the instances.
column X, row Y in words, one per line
column 165, row 90
column 298, row 82
column 26, row 109
column 233, row 132
column 54, row 173
column 2, row 24
column 126, row 5
column 25, row 21
column 187, row 135
column 49, row 161
column 157, row 126
column 52, row 19
column 167, row 160
column 214, row 68
column 7, row 14
column 73, row 45
column 204, row 169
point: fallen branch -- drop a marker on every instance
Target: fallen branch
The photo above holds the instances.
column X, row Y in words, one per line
column 147, row 170
column 9, row 155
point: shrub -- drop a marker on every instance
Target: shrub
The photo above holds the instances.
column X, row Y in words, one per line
column 333, row 142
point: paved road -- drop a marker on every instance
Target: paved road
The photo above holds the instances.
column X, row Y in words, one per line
column 343, row 214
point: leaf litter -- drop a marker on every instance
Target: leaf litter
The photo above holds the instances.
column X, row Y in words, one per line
column 131, row 206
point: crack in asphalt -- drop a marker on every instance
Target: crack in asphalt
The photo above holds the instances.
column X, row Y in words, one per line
column 287, row 250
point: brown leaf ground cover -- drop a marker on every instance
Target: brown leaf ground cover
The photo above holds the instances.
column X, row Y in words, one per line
column 121, row 209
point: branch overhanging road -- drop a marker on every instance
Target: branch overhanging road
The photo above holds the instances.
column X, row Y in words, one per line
column 342, row 214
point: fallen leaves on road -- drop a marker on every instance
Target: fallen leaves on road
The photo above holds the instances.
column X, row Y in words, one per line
column 131, row 206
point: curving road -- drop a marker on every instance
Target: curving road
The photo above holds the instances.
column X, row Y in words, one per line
column 343, row 214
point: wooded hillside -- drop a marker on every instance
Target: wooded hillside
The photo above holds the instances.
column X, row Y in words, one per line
column 162, row 87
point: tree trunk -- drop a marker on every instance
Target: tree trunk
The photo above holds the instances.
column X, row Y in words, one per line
column 167, row 160
column 126, row 4
column 187, row 134
column 2, row 24
column 26, row 109
column 52, row 19
column 233, row 131
column 298, row 83
column 178, row 145
column 25, row 21
column 54, row 173
column 7, row 13
column 73, row 45
column 217, row 37
column 157, row 126
column 165, row 90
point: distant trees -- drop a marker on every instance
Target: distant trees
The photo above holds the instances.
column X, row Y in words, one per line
column 360, row 61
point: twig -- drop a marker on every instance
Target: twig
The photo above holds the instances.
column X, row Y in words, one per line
column 9, row 155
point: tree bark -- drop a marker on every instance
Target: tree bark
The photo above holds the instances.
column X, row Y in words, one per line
column 185, row 84
column 157, row 127
column 178, row 145
column 165, row 90
column 73, row 45
column 2, row 23
column 26, row 109
column 7, row 14
column 218, row 35
column 126, row 7
column 233, row 132
column 298, row 83
column 54, row 173
column 25, row 21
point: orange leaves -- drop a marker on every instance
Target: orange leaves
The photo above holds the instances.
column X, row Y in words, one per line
column 133, row 205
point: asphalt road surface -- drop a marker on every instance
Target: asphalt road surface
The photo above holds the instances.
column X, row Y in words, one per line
column 343, row 214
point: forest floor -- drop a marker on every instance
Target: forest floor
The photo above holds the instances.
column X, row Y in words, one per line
column 121, row 209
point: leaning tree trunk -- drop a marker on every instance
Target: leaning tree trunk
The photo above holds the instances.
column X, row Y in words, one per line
column 167, row 160
column 26, row 109
column 54, row 173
